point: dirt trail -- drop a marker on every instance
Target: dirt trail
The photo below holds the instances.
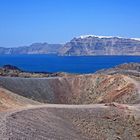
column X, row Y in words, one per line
column 72, row 122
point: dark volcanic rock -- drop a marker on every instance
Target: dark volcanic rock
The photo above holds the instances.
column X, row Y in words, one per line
column 10, row 67
column 13, row 71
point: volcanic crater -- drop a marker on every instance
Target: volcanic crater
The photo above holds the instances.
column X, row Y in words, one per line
column 100, row 106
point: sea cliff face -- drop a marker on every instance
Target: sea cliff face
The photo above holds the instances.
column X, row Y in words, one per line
column 87, row 45
column 94, row 45
column 36, row 48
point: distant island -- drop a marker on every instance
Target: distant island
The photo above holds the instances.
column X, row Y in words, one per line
column 88, row 45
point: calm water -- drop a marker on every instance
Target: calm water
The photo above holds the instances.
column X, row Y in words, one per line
column 73, row 64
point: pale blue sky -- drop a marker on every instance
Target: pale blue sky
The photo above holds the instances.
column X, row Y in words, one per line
column 23, row 22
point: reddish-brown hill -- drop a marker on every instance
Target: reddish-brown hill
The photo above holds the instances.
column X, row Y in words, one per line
column 78, row 89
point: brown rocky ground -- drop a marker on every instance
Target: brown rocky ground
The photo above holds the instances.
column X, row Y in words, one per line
column 10, row 101
column 72, row 122
column 131, row 70
column 13, row 71
column 78, row 89
column 107, row 106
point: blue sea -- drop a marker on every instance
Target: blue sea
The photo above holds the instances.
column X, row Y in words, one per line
column 72, row 64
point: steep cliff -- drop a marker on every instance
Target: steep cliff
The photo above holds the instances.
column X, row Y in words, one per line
column 100, row 45
column 84, row 45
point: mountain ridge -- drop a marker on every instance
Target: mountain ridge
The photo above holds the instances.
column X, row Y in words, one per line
column 35, row 48
column 94, row 45
column 86, row 45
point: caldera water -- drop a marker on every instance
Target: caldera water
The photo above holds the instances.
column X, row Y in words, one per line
column 71, row 64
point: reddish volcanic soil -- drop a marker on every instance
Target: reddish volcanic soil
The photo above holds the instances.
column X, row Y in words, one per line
column 9, row 101
column 78, row 89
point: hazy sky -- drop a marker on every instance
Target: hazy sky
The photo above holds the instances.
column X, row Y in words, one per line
column 23, row 22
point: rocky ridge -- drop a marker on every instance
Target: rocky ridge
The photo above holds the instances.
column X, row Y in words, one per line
column 13, row 71
column 131, row 69
column 101, row 45
column 85, row 45
column 35, row 48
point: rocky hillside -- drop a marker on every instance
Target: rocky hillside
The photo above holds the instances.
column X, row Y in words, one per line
column 36, row 48
column 10, row 100
column 105, row 86
column 131, row 69
column 98, row 45
column 13, row 71
column 104, row 106
column 82, row 89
